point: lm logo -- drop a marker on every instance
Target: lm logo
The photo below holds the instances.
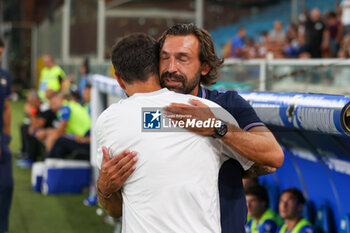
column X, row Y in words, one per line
column 152, row 119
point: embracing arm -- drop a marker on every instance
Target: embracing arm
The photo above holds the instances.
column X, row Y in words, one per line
column 258, row 170
column 112, row 204
column 112, row 176
column 258, row 144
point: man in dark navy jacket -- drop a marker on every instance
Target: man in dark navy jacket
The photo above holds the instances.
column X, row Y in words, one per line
column 187, row 60
column 6, row 179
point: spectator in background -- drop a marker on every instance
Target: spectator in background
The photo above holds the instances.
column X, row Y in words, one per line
column 300, row 24
column 84, row 80
column 290, row 206
column 6, row 178
column 75, row 147
column 262, row 219
column 277, row 34
column 41, row 117
column 74, row 127
column 248, row 183
column 87, row 98
column 315, row 34
column 291, row 50
column 344, row 51
column 235, row 47
column 262, row 45
column 345, row 18
column 296, row 38
column 250, row 50
column 51, row 77
column 338, row 9
column 335, row 29
column 276, row 40
column 292, row 33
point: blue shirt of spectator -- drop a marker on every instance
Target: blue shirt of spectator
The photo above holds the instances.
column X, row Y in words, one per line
column 83, row 82
column 236, row 46
column 268, row 226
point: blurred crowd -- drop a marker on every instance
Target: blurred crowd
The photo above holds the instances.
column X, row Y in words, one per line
column 313, row 35
column 57, row 116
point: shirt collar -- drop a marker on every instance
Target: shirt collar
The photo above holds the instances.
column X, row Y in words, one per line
column 201, row 92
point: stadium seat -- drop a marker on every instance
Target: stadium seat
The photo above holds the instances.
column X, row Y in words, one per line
column 345, row 224
column 309, row 211
column 323, row 220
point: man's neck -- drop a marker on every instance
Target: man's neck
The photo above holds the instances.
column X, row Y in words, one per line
column 151, row 85
column 291, row 223
column 195, row 91
column 259, row 216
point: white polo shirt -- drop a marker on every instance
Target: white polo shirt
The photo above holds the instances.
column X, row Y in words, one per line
column 345, row 12
column 175, row 185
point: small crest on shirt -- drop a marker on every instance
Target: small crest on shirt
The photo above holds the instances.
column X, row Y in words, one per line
column 3, row 81
column 268, row 227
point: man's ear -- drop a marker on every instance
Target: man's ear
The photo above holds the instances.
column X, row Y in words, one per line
column 205, row 68
column 120, row 81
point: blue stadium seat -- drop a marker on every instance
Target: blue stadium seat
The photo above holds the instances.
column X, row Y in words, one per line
column 309, row 211
column 323, row 220
column 345, row 224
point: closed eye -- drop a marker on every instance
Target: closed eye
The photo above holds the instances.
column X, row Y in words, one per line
column 164, row 57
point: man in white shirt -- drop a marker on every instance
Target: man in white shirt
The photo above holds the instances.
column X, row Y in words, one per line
column 174, row 185
column 345, row 18
column 277, row 34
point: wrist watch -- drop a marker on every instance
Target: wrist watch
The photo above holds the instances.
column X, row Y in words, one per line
column 220, row 131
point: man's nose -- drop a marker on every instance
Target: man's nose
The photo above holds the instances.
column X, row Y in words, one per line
column 172, row 66
column 284, row 204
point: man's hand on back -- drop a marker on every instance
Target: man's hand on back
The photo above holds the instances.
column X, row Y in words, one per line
column 197, row 110
column 115, row 171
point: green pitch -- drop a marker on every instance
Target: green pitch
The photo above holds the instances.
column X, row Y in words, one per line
column 35, row 213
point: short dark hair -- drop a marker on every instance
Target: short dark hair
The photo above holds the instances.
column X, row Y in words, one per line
column 296, row 194
column 2, row 43
column 332, row 14
column 135, row 57
column 259, row 192
column 206, row 48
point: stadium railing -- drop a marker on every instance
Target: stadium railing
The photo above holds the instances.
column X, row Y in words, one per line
column 328, row 76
